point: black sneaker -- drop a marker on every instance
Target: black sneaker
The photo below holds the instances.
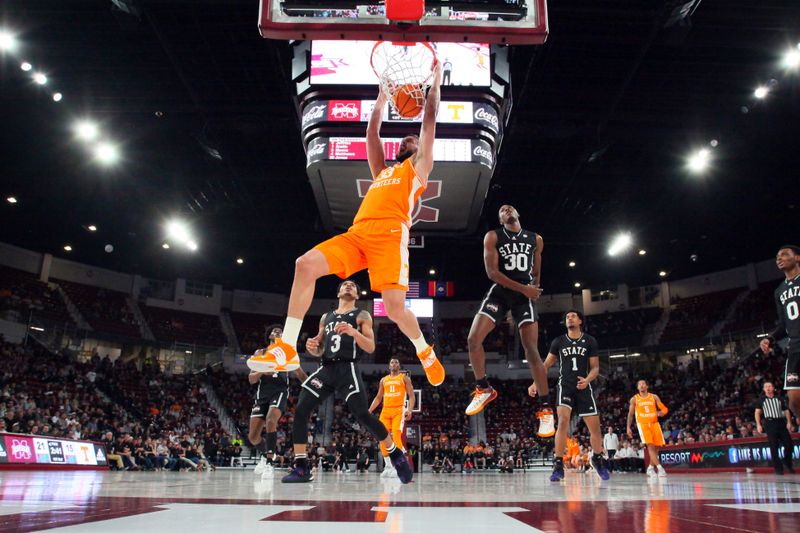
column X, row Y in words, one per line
column 298, row 474
column 403, row 469
column 558, row 471
column 598, row 463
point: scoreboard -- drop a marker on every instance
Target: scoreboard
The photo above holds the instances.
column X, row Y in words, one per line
column 30, row 451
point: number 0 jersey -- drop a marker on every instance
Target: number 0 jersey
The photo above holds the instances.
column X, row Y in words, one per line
column 340, row 347
column 787, row 302
column 516, row 254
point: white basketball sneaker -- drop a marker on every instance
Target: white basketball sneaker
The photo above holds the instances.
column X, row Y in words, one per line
column 388, row 470
column 651, row 471
column 661, row 471
column 268, row 473
column 259, row 469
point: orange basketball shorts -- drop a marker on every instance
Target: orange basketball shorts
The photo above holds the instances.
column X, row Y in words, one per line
column 650, row 433
column 394, row 421
column 379, row 245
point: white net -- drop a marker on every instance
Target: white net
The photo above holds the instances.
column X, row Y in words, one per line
column 408, row 66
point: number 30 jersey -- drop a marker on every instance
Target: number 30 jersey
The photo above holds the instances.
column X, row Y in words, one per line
column 516, row 254
column 340, row 347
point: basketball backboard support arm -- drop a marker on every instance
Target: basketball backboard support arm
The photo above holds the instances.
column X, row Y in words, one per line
column 487, row 21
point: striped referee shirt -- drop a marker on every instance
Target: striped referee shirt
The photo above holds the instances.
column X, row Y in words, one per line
column 773, row 408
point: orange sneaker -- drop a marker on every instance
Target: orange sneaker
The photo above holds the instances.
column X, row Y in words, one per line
column 434, row 370
column 278, row 357
column 547, row 423
column 480, row 399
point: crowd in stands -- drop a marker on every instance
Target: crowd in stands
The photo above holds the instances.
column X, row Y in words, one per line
column 756, row 310
column 693, row 317
column 105, row 310
column 22, row 294
column 180, row 326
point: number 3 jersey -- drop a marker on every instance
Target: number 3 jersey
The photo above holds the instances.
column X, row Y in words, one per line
column 515, row 257
column 787, row 301
column 340, row 347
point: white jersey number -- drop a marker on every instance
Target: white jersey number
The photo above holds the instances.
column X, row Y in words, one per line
column 517, row 262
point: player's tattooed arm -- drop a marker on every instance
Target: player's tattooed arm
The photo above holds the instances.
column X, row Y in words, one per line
column 315, row 345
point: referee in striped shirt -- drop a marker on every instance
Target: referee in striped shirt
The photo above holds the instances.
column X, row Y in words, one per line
column 777, row 420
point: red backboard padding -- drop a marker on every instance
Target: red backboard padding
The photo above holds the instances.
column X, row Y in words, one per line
column 404, row 10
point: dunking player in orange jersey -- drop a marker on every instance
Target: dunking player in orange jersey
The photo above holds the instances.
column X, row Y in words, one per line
column 394, row 391
column 377, row 240
column 648, row 407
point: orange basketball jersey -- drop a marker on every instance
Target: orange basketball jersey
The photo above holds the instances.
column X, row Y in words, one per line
column 393, row 194
column 646, row 409
column 394, row 391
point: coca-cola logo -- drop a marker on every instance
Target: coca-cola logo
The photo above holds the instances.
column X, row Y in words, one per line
column 480, row 151
column 487, row 116
column 316, row 150
column 345, row 111
column 313, row 113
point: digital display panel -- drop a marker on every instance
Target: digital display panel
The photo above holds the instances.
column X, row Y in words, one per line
column 27, row 449
column 421, row 307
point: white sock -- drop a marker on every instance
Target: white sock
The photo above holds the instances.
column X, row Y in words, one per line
column 419, row 343
column 291, row 330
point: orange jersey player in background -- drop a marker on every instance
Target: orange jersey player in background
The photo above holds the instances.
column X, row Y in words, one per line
column 647, row 407
column 377, row 241
column 396, row 393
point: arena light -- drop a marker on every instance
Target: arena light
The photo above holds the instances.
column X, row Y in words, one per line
column 761, row 92
column 91, row 227
column 620, row 244
column 106, row 153
column 11, row 199
column 662, row 274
column 25, row 66
column 8, row 41
column 86, row 130
column 432, row 271
column 577, row 285
column 39, row 78
column 617, row 356
column 572, row 264
column 791, row 59
column 635, row 354
column 192, row 246
column 239, row 261
column 67, row 248
column 642, row 252
column 699, row 161
column 36, row 328
column 178, row 232
column 364, row 293
column 165, row 246
column 57, row 97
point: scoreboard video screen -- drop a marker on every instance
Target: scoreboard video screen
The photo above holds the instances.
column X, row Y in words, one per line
column 32, row 450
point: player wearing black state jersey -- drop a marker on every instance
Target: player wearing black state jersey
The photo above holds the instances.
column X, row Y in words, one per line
column 343, row 334
column 578, row 359
column 787, row 302
column 271, row 395
column 513, row 260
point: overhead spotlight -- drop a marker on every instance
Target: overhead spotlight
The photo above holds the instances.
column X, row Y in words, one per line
column 363, row 293
column 106, row 153
column 620, row 244
column 11, row 199
column 67, row 248
column 577, row 285
column 165, row 246
column 239, row 261
column 91, row 227
column 86, row 130
column 642, row 252
column 108, row 248
column 8, row 42
column 699, row 161
column 40, row 78
column 432, row 272
column 714, row 143
column 25, row 66
column 192, row 245
column 572, row 264
column 178, row 231
column 791, row 59
column 761, row 92
column 57, row 97
column 662, row 274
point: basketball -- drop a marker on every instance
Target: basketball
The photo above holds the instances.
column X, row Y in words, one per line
column 405, row 101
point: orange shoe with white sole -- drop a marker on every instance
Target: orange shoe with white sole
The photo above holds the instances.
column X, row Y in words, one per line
column 278, row 357
column 434, row 370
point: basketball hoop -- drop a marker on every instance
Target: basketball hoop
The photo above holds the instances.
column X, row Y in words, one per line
column 404, row 65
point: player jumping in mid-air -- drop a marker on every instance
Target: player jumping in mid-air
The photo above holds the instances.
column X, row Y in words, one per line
column 377, row 240
column 787, row 302
column 578, row 359
column 513, row 260
column 397, row 394
column 271, row 396
column 344, row 334
column 647, row 407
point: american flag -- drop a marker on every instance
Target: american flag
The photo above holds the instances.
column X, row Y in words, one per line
column 413, row 289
